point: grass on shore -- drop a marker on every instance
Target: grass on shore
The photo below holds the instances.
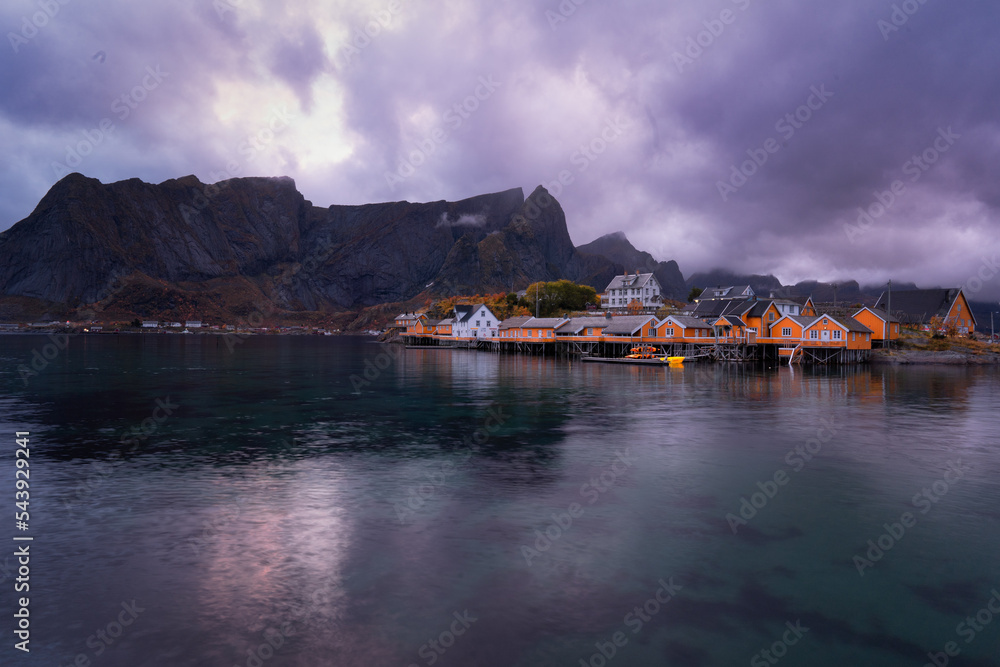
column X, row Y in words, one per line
column 923, row 341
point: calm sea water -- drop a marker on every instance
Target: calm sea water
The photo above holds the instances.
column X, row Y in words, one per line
column 462, row 508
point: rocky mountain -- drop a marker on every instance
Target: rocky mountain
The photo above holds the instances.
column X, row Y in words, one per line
column 174, row 248
column 762, row 285
column 617, row 248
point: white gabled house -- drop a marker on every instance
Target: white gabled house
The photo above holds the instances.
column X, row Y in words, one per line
column 474, row 322
column 623, row 290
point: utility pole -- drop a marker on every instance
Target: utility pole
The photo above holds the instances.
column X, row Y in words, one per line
column 992, row 334
column 888, row 315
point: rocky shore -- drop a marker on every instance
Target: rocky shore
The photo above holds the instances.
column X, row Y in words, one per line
column 950, row 357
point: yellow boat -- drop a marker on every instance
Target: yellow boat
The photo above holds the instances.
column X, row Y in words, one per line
column 676, row 360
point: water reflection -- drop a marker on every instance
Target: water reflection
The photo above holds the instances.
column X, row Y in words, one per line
column 265, row 511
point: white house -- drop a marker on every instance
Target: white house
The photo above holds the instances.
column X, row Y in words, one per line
column 728, row 292
column 192, row 324
column 475, row 322
column 150, row 324
column 623, row 290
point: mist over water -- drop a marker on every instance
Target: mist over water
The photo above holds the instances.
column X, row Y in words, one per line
column 322, row 501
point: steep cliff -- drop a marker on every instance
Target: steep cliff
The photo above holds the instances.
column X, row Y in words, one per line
column 618, row 249
column 171, row 248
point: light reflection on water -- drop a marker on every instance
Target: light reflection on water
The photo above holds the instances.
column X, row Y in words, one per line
column 270, row 503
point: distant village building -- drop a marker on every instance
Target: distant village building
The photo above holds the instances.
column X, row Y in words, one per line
column 919, row 306
column 404, row 321
column 150, row 324
column 192, row 324
column 641, row 288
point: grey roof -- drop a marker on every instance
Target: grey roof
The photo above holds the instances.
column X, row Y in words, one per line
column 627, row 325
column 544, row 322
column 514, row 322
column 735, row 319
column 727, row 292
column 630, row 281
column 920, row 305
column 447, row 320
column 878, row 312
column 852, row 324
column 690, row 322
column 845, row 321
column 713, row 308
column 577, row 324
column 465, row 313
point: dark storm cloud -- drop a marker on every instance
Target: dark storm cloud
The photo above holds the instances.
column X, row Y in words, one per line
column 646, row 107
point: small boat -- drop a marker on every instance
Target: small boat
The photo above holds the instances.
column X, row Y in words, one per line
column 643, row 352
column 675, row 360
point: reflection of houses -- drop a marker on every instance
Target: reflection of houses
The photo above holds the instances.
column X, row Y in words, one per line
column 640, row 291
column 917, row 307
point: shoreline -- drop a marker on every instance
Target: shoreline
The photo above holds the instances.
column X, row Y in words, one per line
column 933, row 358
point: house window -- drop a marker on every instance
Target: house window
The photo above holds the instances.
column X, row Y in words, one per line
column 813, row 335
column 752, row 330
column 786, row 332
column 852, row 336
column 527, row 334
column 549, row 334
column 477, row 324
column 590, row 332
column 670, row 333
column 836, row 334
column 770, row 317
column 825, row 322
column 652, row 331
column 489, row 323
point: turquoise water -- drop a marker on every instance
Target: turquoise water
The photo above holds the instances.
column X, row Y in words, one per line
column 285, row 508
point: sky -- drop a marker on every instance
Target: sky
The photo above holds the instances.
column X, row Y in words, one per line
column 857, row 139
